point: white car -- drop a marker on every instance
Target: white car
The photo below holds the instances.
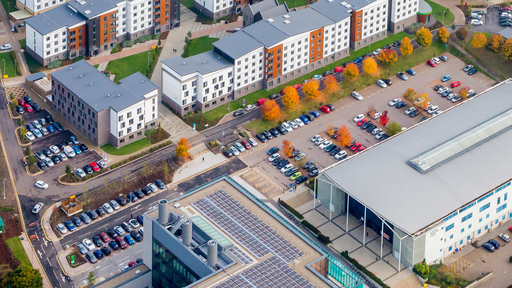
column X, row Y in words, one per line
column 467, row 68
column 48, row 162
column 381, row 83
column 41, row 184
column 292, row 124
column 273, row 157
column 5, row 47
column 376, row 131
column 477, row 22
column 62, row 229
column 286, row 167
column 313, row 139
column 234, row 151
column 37, row 124
column 325, row 144
column 37, row 208
column 377, row 52
column 88, row 244
column 134, row 223
column 394, row 102
column 80, row 173
column 376, row 115
column 504, row 237
column 356, row 95
column 319, row 141
column 114, row 204
column 437, row 112
column 409, row 110
column 252, row 142
column 436, row 60
column 340, row 154
column 287, row 127
column 358, row 118
column 432, row 109
column 250, row 107
column 441, row 90
column 380, row 135
column 63, row 156
column 30, row 136
column 298, row 122
column 152, row 187
column 108, row 208
column 54, row 149
column 69, row 152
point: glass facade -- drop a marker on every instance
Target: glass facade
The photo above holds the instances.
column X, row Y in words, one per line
column 168, row 270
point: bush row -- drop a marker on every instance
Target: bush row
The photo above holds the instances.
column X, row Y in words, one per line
column 136, row 156
column 363, row 269
column 17, row 63
column 289, row 208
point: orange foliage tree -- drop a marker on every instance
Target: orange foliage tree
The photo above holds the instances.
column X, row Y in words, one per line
column 330, row 130
column 290, row 97
column 464, row 92
column 424, row 100
column 495, row 43
column 388, row 56
column 331, row 85
column 287, row 148
column 506, row 49
column 182, row 148
column 370, row 66
column 406, row 47
column 270, row 110
column 479, row 40
column 310, row 89
column 351, row 71
column 344, row 137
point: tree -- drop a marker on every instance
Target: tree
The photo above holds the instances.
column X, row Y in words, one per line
column 371, row 110
column 384, row 118
column 330, row 130
column 443, row 34
column 270, row 109
column 464, row 92
column 370, row 66
column 24, row 277
column 495, row 43
column 423, row 100
column 91, row 278
column 290, row 97
column 393, row 128
column 424, row 37
column 23, row 132
column 409, row 93
column 27, row 151
column 182, row 148
column 31, row 160
column 68, row 171
column 21, row 122
column 406, row 47
column 387, row 56
column 344, row 137
column 461, row 33
column 331, row 85
column 14, row 103
column 351, row 71
column 506, row 49
column 479, row 40
column 287, row 148
column 310, row 89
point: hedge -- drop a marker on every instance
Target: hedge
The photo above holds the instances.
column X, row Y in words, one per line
column 289, row 208
column 363, row 269
column 136, row 156
column 324, row 239
column 311, row 227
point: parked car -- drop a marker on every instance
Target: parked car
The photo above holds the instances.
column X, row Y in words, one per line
column 467, row 68
column 446, row 78
column 494, row 243
column 88, row 244
column 402, row 76
column 381, row 83
column 431, row 63
column 81, row 248
column 37, row 208
column 85, row 218
column 71, row 227
column 411, row 72
column 90, row 256
column 504, row 237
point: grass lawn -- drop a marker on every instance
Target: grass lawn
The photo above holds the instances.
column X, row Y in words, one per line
column 212, row 117
column 23, row 43
column 437, row 11
column 188, row 3
column 9, row 64
column 9, row 5
column 128, row 149
column 295, row 3
column 17, row 249
column 305, row 105
column 198, row 46
column 33, row 65
column 128, row 65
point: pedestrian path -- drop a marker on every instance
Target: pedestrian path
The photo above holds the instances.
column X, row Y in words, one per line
column 124, row 53
column 217, row 30
column 33, row 258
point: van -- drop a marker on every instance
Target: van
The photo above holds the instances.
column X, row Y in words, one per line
column 476, row 16
column 69, row 152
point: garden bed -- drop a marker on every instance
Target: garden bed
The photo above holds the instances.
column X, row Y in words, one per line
column 79, row 259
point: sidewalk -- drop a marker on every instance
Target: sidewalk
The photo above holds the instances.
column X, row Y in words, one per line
column 124, row 53
column 460, row 19
column 33, row 259
column 215, row 29
column 202, row 161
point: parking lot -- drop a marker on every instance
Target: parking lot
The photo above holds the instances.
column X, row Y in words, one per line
column 490, row 23
column 346, row 109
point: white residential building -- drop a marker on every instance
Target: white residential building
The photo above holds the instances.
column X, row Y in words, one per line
column 402, row 13
column 38, row 6
column 216, row 8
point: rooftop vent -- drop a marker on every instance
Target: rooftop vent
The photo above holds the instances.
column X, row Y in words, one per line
column 187, row 232
column 184, row 63
column 204, row 61
column 330, row 0
column 286, row 16
column 81, row 2
column 270, row 20
column 286, row 21
column 212, row 253
column 87, row 11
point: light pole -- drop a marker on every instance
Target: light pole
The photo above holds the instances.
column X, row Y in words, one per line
column 3, row 71
column 4, row 188
column 444, row 11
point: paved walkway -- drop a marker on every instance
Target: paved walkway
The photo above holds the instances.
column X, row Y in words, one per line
column 214, row 31
column 33, row 258
column 201, row 162
column 124, row 53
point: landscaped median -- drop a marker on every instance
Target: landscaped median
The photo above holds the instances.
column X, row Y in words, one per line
column 20, row 136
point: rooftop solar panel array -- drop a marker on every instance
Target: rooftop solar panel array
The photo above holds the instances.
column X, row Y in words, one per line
column 240, row 255
column 252, row 233
column 272, row 272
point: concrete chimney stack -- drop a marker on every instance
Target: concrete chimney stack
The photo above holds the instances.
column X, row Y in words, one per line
column 163, row 212
column 212, row 253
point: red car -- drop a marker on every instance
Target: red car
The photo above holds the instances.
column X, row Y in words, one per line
column 132, row 263
column 455, row 84
column 431, row 63
column 121, row 242
column 28, row 108
column 22, row 102
column 361, row 148
column 104, row 237
column 260, row 101
column 356, row 146
column 297, row 86
column 361, row 122
column 246, row 145
column 94, row 166
column 325, row 109
column 510, row 228
column 505, row 8
column 339, row 69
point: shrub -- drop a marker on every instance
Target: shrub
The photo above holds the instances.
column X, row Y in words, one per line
column 311, row 227
column 55, row 64
column 78, row 58
column 364, row 270
column 115, row 50
column 461, row 33
column 411, row 29
column 289, row 208
column 127, row 43
column 324, row 239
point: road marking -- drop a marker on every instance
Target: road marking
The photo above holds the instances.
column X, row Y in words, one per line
column 49, row 261
column 103, row 268
column 40, row 254
column 43, row 249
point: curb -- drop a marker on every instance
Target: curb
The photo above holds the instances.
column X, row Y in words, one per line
column 18, row 139
column 74, row 183
column 64, row 271
column 10, row 113
column 43, row 228
column 28, row 172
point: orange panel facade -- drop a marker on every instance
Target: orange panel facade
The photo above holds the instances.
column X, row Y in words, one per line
column 356, row 26
column 274, row 61
column 76, row 38
column 316, row 44
column 108, row 28
column 162, row 12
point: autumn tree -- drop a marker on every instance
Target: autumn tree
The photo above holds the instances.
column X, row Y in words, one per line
column 388, row 56
column 371, row 110
column 370, row 66
column 464, row 92
column 330, row 130
column 479, row 40
column 506, row 49
column 290, row 97
column 331, row 85
column 270, row 110
column 423, row 100
column 23, row 276
column 351, row 71
column 384, row 118
column 393, row 128
column 424, row 37
column 287, row 148
column 495, row 43
column 443, row 34
column 310, row 89
column 344, row 137
column 461, row 33
column 409, row 93
column 406, row 47
column 23, row 132
column 182, row 148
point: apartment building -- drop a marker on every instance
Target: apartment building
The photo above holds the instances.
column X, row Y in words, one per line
column 102, row 110
column 215, row 9
column 402, row 13
column 38, row 6
column 88, row 27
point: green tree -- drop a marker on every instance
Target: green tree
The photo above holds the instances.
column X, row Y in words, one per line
column 23, row 132
column 24, row 277
column 31, row 160
column 68, row 171
column 27, row 151
column 91, row 278
column 393, row 128
column 21, row 122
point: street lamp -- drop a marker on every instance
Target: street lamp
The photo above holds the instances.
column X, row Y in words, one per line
column 444, row 11
column 3, row 71
column 4, row 187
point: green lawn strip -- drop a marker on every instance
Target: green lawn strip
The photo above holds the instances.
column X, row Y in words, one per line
column 295, row 3
column 128, row 149
column 23, row 43
column 199, row 45
column 17, row 249
column 33, row 65
column 128, row 65
column 9, row 64
column 188, row 3
column 419, row 55
column 9, row 6
column 437, row 11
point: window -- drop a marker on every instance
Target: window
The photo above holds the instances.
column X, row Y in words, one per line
column 485, row 206
column 129, row 115
column 120, row 118
column 462, row 230
column 122, row 125
column 139, row 110
column 467, row 217
column 451, row 236
column 120, row 133
column 449, row 227
column 501, row 208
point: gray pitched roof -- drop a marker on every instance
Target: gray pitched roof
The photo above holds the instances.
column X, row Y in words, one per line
column 92, row 8
column 331, row 9
column 300, row 21
column 203, row 63
column 266, row 33
column 263, row 5
column 274, row 11
column 358, row 4
column 53, row 19
column 98, row 91
column 237, row 44
column 506, row 33
column 412, row 200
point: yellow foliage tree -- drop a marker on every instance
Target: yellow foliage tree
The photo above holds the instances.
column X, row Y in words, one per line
column 344, row 137
column 270, row 110
column 506, row 49
column 479, row 40
column 388, row 56
column 495, row 43
column 409, row 93
column 290, row 97
column 424, row 37
column 330, row 130
column 182, row 148
column 464, row 92
column 406, row 47
column 443, row 34
column 310, row 89
column 370, row 66
column 287, row 148
column 351, row 71
column 425, row 100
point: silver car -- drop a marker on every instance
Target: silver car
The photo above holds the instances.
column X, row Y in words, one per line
column 62, row 229
column 81, row 248
column 114, row 204
column 108, row 208
column 356, row 95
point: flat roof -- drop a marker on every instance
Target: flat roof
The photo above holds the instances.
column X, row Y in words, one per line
column 265, row 32
column 53, row 19
column 91, row 8
column 231, row 45
column 412, row 200
column 300, row 21
column 506, row 33
column 331, row 9
column 203, row 63
column 123, row 277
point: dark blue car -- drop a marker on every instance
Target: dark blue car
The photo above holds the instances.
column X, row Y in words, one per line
column 70, row 225
column 140, row 220
column 400, row 105
column 304, row 119
column 315, row 113
column 98, row 254
column 411, row 72
column 358, row 60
